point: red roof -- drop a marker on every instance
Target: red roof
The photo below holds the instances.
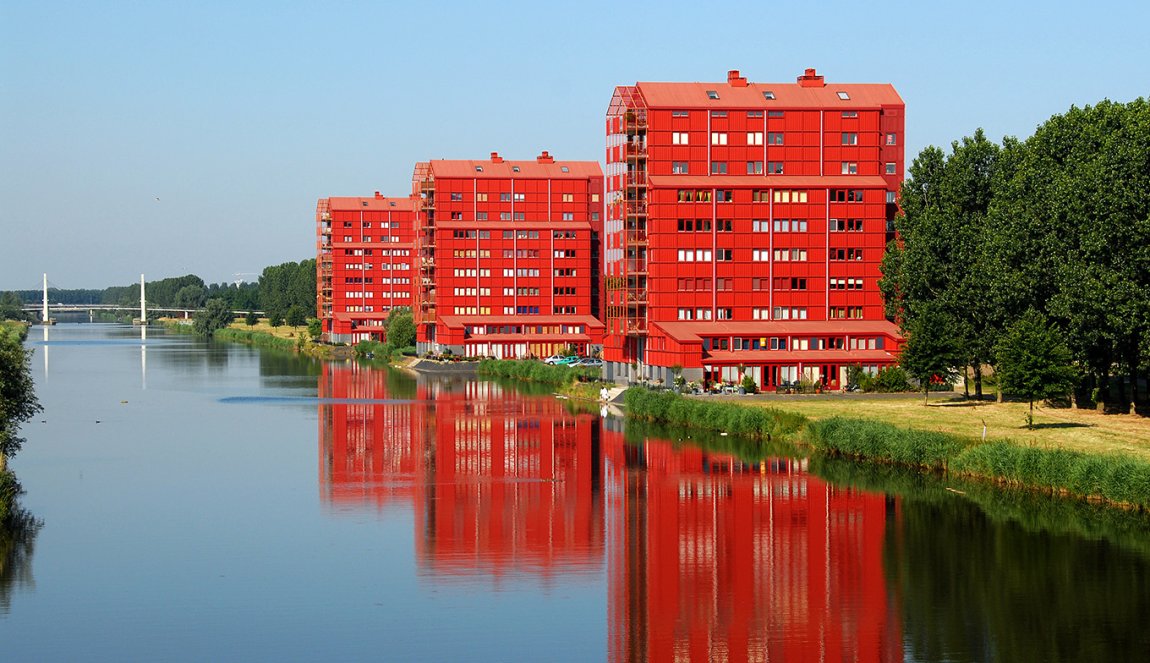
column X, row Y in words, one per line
column 488, row 169
column 529, row 320
column 786, row 95
column 769, row 181
column 694, row 331
column 749, row 357
column 375, row 204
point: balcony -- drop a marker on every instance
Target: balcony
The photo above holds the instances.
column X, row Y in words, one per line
column 636, row 207
column 635, row 150
column 636, row 265
column 635, row 236
column 636, row 178
column 636, row 327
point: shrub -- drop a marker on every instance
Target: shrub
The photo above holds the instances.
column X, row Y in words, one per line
column 675, row 410
column 879, row 441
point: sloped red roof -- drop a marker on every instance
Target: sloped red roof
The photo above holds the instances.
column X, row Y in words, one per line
column 453, row 321
column 382, row 203
column 448, row 168
column 769, row 181
column 787, row 95
column 795, row 356
column 695, row 330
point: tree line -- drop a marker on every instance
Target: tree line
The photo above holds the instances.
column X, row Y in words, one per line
column 283, row 291
column 1031, row 253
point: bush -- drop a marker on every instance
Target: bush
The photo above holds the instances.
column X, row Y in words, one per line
column 883, row 442
column 531, row 370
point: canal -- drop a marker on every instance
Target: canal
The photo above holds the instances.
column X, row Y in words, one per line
column 199, row 501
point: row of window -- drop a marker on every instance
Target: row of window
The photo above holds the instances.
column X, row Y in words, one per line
column 486, row 273
column 390, row 239
column 518, row 216
column 367, row 224
column 507, row 197
column 399, row 253
column 368, row 294
column 720, row 138
column 768, row 95
column 522, row 329
column 368, row 280
column 367, row 266
column 704, row 314
column 796, row 343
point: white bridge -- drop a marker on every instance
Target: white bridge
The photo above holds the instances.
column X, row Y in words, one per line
column 47, row 308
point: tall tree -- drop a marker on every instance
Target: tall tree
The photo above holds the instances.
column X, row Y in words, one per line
column 18, row 402
column 932, row 350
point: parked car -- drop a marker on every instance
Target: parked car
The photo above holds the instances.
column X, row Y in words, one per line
column 560, row 360
column 587, row 362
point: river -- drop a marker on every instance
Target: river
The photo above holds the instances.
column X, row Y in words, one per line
column 207, row 501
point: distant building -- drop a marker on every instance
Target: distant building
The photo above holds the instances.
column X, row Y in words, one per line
column 509, row 259
column 746, row 223
column 363, row 264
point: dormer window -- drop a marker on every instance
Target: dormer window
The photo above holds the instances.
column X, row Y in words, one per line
column 479, row 169
column 768, row 95
column 843, row 95
column 712, row 94
column 515, row 169
column 564, row 169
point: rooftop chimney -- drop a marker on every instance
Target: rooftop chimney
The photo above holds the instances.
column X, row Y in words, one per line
column 735, row 80
column 810, row 79
column 377, row 195
column 545, row 158
column 495, row 158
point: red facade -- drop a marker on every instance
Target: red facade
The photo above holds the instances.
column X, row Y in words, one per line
column 508, row 256
column 364, row 261
column 746, row 223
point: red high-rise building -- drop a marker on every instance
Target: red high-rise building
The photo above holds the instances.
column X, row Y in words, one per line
column 363, row 263
column 746, row 223
column 508, row 256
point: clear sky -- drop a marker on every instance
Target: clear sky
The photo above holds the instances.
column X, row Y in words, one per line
column 169, row 138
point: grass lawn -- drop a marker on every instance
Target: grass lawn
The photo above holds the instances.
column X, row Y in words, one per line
column 283, row 331
column 1079, row 430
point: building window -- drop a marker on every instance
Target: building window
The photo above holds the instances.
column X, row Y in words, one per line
column 774, row 167
column 457, row 216
column 718, row 113
column 774, row 113
column 768, row 95
column 712, row 94
column 843, row 95
column 850, row 138
column 679, row 167
column 456, row 196
column 890, row 168
column 775, row 138
column 505, row 216
column 718, row 138
column 850, row 168
column 761, row 255
column 568, row 216
column 505, row 197
column 754, row 138
column 679, row 137
column 568, row 197
column 754, row 113
column 481, row 197
column 718, row 167
column 890, row 197
column 850, row 114
column 520, row 197
column 892, row 139
column 724, row 314
column 724, row 255
column 481, row 216
column 678, row 113
column 724, row 196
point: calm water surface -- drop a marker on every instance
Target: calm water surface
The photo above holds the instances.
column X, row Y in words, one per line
column 216, row 502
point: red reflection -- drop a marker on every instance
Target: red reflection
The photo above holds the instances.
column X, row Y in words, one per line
column 711, row 559
column 499, row 482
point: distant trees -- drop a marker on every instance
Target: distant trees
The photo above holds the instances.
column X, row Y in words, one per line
column 12, row 307
column 1058, row 223
column 286, row 285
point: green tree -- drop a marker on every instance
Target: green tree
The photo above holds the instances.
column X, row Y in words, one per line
column 215, row 316
column 189, row 296
column 939, row 258
column 932, row 351
column 275, row 318
column 295, row 316
column 251, row 319
column 1034, row 362
column 400, row 329
column 314, row 329
column 18, row 402
column 12, row 307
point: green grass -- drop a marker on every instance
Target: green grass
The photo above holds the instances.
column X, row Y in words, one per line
column 883, row 442
column 256, row 338
column 670, row 408
column 9, row 491
column 536, row 371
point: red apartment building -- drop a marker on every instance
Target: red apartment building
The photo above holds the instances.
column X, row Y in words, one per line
column 745, row 227
column 508, row 256
column 363, row 263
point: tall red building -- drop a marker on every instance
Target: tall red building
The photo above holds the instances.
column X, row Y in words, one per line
column 508, row 256
column 746, row 223
column 363, row 263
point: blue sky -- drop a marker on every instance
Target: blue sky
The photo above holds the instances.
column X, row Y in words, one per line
column 238, row 115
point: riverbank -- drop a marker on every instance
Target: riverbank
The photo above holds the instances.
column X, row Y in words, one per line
column 1113, row 471
column 263, row 335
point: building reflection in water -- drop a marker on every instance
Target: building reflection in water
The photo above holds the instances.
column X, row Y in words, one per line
column 707, row 558
column 498, row 483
